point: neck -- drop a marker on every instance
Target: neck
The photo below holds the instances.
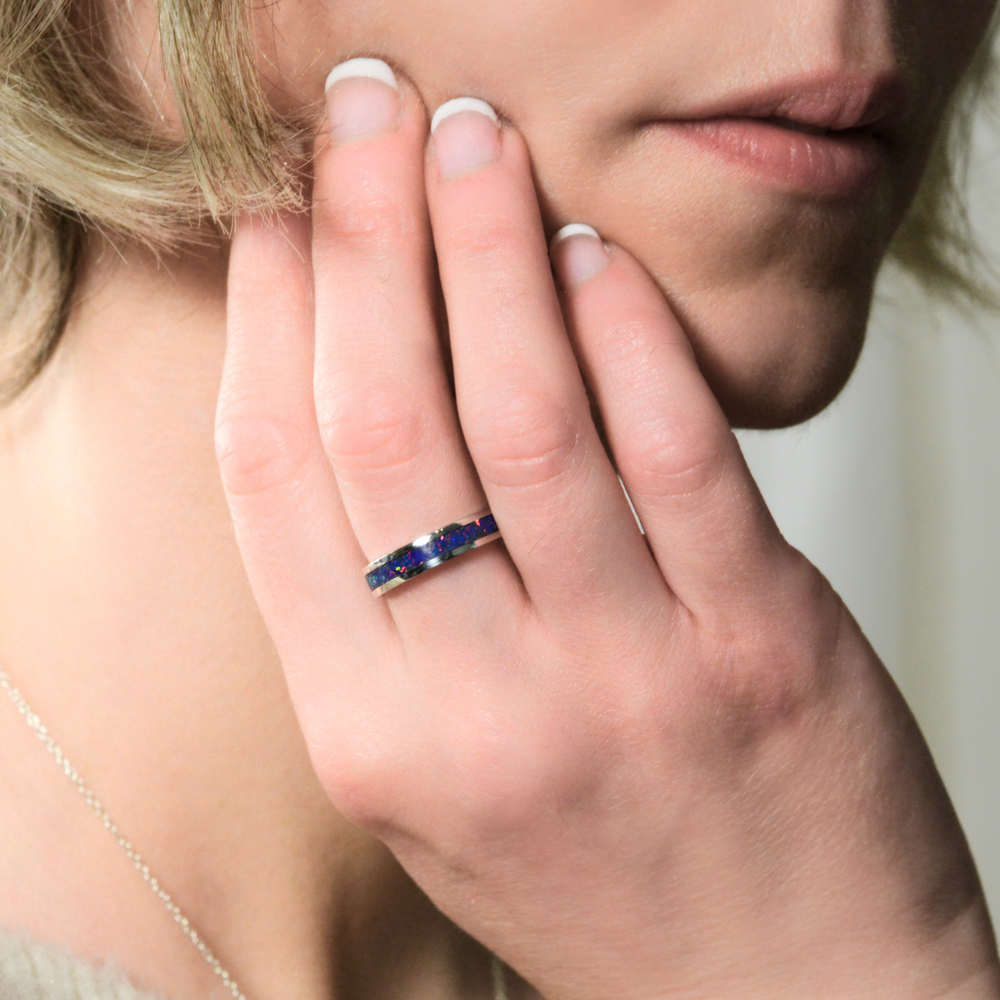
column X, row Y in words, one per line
column 127, row 622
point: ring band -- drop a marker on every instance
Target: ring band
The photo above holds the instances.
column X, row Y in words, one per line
column 430, row 550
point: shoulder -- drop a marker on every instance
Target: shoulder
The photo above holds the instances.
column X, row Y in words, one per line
column 31, row 971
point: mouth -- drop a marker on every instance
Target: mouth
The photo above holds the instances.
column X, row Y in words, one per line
column 801, row 158
column 792, row 126
column 825, row 138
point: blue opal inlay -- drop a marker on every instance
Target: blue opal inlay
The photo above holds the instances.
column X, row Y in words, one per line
column 411, row 560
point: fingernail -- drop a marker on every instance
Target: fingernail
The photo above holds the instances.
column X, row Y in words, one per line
column 466, row 136
column 578, row 254
column 362, row 98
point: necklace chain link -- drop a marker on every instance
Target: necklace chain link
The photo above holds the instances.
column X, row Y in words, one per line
column 497, row 969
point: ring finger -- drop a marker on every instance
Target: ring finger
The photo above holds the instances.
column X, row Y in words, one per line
column 383, row 403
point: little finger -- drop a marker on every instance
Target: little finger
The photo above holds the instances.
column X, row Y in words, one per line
column 704, row 517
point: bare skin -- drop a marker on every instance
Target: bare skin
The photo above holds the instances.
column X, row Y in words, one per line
column 127, row 619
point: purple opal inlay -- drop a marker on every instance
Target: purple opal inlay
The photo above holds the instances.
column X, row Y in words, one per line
column 412, row 560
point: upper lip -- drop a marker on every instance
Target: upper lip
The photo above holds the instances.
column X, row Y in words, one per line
column 875, row 102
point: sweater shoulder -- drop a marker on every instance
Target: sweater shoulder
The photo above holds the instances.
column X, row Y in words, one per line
column 32, row 971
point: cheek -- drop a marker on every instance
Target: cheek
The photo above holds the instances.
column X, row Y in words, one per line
column 773, row 291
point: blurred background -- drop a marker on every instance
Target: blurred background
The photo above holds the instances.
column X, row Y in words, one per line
column 894, row 493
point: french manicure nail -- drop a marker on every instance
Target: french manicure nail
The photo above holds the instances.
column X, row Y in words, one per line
column 466, row 135
column 363, row 99
column 579, row 254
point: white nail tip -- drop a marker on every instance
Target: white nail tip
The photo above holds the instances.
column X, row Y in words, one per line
column 373, row 68
column 460, row 104
column 574, row 229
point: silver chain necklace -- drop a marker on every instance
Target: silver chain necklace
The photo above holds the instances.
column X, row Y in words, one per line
column 497, row 969
column 101, row 813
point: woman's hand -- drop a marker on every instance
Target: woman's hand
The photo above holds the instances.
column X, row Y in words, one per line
column 634, row 767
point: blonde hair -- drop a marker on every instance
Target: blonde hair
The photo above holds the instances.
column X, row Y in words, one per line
column 935, row 241
column 76, row 154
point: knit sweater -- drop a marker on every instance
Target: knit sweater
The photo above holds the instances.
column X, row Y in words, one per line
column 35, row 972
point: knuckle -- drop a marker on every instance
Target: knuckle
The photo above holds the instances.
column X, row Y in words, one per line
column 529, row 441
column 363, row 792
column 359, row 764
column 496, row 810
column 506, row 794
column 761, row 686
column 682, row 462
column 369, row 428
column 765, row 680
column 258, row 452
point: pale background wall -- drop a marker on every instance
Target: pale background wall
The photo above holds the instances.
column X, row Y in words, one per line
column 894, row 492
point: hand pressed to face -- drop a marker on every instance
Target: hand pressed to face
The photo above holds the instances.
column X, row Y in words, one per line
column 634, row 767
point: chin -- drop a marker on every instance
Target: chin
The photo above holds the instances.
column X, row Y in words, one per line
column 776, row 356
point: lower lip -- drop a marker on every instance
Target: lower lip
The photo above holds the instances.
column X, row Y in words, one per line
column 836, row 164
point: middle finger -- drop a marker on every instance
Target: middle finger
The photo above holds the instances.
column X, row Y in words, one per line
column 521, row 398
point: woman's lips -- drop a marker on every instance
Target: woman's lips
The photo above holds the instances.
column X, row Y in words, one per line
column 807, row 160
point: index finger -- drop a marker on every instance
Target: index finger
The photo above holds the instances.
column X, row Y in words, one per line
column 301, row 556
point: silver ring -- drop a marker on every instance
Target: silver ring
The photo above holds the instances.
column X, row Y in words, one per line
column 430, row 550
